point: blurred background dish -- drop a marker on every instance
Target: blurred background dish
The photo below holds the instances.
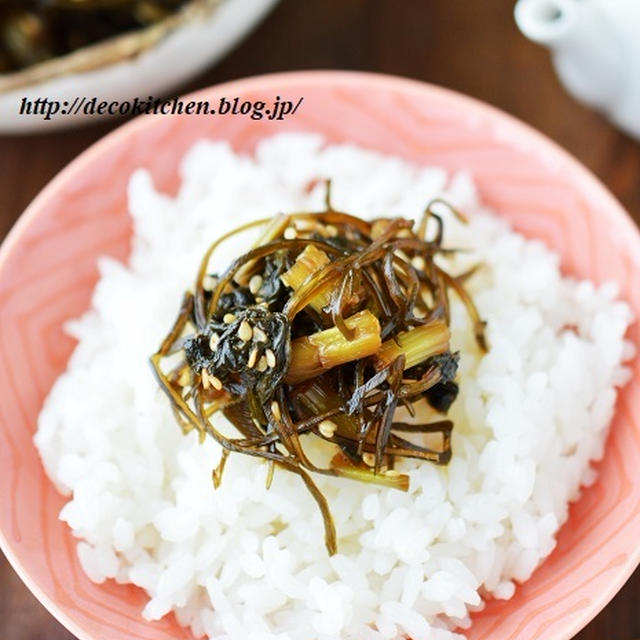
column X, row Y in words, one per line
column 149, row 60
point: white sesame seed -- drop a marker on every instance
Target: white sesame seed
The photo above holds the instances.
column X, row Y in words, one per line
column 228, row 318
column 369, row 459
column 253, row 357
column 245, row 332
column 305, row 225
column 255, row 283
column 259, row 334
column 275, row 409
column 184, row 378
column 271, row 358
column 209, row 283
column 327, row 428
column 213, row 341
column 216, row 383
column 418, row 263
column 290, row 233
column 379, row 227
column 332, row 231
column 205, row 379
column 262, row 364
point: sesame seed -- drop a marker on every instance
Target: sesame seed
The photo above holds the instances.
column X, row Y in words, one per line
column 418, row 263
column 305, row 225
column 290, row 233
column 262, row 364
column 205, row 379
column 259, row 335
column 245, row 332
column 253, row 357
column 209, row 283
column 216, row 383
column 255, row 284
column 228, row 318
column 184, row 377
column 327, row 428
column 213, row 341
column 332, row 232
column 271, row 358
column 378, row 228
column 275, row 409
column 369, row 459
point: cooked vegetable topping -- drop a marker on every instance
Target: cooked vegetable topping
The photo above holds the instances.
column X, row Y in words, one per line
column 32, row 31
column 321, row 331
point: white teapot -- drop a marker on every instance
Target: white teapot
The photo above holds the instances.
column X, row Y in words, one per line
column 596, row 51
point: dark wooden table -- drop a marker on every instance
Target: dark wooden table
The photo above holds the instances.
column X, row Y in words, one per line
column 473, row 47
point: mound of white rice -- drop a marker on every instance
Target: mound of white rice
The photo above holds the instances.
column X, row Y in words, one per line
column 246, row 563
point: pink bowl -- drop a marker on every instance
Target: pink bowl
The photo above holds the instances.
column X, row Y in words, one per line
column 48, row 270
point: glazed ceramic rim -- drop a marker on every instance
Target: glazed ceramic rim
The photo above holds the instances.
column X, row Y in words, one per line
column 536, row 141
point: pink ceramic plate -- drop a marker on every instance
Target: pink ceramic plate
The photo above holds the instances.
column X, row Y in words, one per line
column 48, row 269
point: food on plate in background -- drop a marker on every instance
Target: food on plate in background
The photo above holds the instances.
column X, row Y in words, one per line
column 33, row 31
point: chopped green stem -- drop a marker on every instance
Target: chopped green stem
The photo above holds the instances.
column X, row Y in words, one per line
column 313, row 355
column 417, row 345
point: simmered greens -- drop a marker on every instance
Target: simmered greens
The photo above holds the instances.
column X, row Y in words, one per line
column 32, row 31
column 322, row 330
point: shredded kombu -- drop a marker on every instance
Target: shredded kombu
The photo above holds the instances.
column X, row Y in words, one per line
column 324, row 329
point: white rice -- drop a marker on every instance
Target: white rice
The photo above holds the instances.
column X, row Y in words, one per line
column 246, row 563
